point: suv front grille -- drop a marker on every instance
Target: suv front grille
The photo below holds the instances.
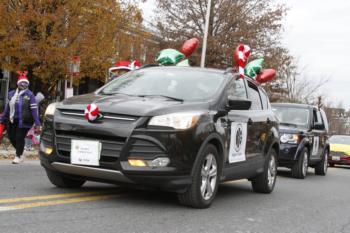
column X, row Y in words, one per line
column 110, row 116
column 111, row 146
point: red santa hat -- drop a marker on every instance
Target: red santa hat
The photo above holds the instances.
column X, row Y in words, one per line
column 135, row 65
column 126, row 65
column 22, row 77
column 122, row 65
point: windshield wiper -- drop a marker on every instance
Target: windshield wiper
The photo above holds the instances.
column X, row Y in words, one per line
column 114, row 93
column 165, row 96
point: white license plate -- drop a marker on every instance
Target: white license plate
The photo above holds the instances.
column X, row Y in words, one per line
column 336, row 158
column 85, row 152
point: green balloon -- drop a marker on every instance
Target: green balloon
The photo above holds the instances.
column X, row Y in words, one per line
column 183, row 63
column 169, row 57
column 253, row 68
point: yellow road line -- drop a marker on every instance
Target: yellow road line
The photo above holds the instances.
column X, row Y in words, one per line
column 58, row 202
column 48, row 197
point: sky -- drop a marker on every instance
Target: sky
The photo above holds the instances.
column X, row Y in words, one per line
column 317, row 33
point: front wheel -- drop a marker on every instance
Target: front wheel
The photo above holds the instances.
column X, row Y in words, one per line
column 265, row 182
column 61, row 181
column 299, row 169
column 322, row 166
column 202, row 191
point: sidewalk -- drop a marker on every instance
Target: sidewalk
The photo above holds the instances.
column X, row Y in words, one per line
column 10, row 153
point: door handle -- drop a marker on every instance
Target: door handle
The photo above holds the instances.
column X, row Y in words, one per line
column 250, row 121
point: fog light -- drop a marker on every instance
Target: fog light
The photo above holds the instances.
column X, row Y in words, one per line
column 137, row 163
column 47, row 150
column 159, row 162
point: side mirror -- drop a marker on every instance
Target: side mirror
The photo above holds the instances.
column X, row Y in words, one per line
column 238, row 104
column 318, row 126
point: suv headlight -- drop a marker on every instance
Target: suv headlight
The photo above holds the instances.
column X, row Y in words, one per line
column 50, row 110
column 176, row 120
column 290, row 138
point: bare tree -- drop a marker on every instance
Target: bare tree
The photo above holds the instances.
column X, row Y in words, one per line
column 254, row 22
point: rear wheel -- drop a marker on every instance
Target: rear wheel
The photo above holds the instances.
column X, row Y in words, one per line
column 61, row 181
column 321, row 167
column 299, row 169
column 265, row 182
column 202, row 191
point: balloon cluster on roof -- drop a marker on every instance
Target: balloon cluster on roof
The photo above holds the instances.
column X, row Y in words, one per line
column 170, row 57
column 253, row 69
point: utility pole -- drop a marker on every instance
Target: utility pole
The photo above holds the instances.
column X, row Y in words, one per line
column 205, row 39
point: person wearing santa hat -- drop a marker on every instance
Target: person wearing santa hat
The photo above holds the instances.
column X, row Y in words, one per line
column 122, row 67
column 20, row 113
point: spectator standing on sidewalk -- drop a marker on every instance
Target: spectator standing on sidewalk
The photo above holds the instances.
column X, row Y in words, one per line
column 20, row 113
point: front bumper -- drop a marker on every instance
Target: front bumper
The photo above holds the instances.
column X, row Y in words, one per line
column 169, row 183
column 288, row 153
column 179, row 146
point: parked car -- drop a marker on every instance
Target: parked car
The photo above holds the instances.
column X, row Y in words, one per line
column 171, row 128
column 303, row 138
column 339, row 150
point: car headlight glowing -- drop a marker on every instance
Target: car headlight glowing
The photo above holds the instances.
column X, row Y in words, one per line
column 50, row 110
column 176, row 120
column 290, row 138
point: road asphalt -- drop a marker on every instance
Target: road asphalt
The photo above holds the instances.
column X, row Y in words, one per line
column 30, row 203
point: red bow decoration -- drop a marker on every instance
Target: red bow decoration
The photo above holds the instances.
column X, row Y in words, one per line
column 241, row 57
column 22, row 73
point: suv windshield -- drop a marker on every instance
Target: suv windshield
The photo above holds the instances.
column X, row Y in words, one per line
column 340, row 139
column 174, row 83
column 298, row 117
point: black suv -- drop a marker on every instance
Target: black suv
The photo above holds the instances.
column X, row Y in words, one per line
column 303, row 138
column 171, row 128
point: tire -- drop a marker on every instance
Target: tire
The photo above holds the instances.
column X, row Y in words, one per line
column 332, row 165
column 265, row 182
column 61, row 181
column 321, row 167
column 299, row 169
column 205, row 180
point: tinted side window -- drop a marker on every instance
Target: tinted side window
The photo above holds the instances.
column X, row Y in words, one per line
column 318, row 118
column 264, row 99
column 236, row 89
column 254, row 96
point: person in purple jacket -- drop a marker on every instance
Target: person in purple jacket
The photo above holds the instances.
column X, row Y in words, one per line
column 20, row 113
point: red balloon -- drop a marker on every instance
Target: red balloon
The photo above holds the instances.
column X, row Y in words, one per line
column 246, row 54
column 266, row 76
column 189, row 47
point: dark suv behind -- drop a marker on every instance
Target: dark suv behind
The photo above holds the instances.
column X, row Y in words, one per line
column 303, row 138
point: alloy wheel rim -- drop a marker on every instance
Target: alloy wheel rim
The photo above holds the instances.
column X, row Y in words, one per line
column 208, row 177
column 272, row 171
column 305, row 164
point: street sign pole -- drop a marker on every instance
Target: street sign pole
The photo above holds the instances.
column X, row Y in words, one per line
column 74, row 71
column 205, row 39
